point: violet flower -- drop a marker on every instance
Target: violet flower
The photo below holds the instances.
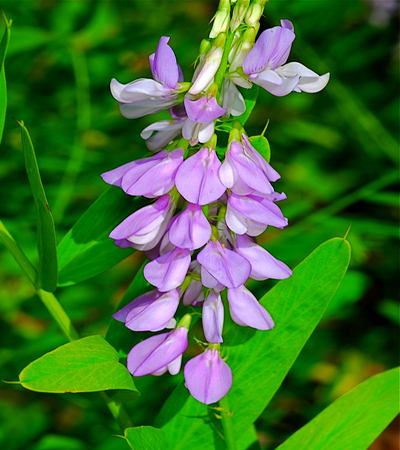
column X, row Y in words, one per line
column 145, row 227
column 226, row 266
column 190, row 229
column 158, row 354
column 246, row 310
column 197, row 178
column 208, row 377
column 149, row 96
column 250, row 214
column 265, row 64
column 169, row 270
column 150, row 177
column 263, row 264
column 152, row 311
column 213, row 318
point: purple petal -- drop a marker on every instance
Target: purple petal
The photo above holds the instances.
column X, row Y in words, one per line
column 271, row 50
column 137, row 304
column 190, row 229
column 227, row 172
column 114, row 176
column 197, row 178
column 157, row 179
column 248, row 170
column 166, row 131
column 208, row 377
column 213, row 318
column 209, row 281
column 164, row 66
column 194, row 293
column 246, row 310
column 147, row 315
column 157, row 352
column 204, row 109
column 226, row 266
column 169, row 270
column 263, row 264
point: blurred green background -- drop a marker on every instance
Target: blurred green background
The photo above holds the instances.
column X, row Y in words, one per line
column 337, row 152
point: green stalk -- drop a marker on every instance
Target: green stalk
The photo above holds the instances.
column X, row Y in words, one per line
column 219, row 76
column 227, row 425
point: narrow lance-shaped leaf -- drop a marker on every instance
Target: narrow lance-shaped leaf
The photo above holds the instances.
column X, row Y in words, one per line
column 89, row 364
column 354, row 420
column 47, row 248
column 145, row 438
column 86, row 250
column 3, row 85
column 260, row 360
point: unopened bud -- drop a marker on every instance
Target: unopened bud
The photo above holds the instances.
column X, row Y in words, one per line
column 235, row 133
column 205, row 45
column 239, row 13
column 254, row 12
column 212, row 143
column 221, row 19
column 185, row 321
column 209, row 66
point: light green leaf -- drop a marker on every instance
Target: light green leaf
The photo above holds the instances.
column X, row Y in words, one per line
column 48, row 268
column 86, row 250
column 85, row 365
column 353, row 421
column 145, row 438
column 3, row 87
column 260, row 360
column 261, row 144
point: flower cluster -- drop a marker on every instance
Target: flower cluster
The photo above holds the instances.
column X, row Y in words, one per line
column 200, row 231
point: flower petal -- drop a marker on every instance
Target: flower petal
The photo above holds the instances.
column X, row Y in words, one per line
column 169, row 270
column 204, row 109
column 226, row 266
column 246, row 310
column 164, row 66
column 309, row 81
column 208, row 377
column 213, row 318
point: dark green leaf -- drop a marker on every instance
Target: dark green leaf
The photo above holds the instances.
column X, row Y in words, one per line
column 261, row 144
column 47, row 248
column 353, row 421
column 85, row 365
column 3, row 86
column 145, row 438
column 86, row 250
column 260, row 360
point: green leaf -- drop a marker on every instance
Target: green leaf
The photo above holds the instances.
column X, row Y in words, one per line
column 250, row 99
column 145, row 438
column 29, row 38
column 86, row 250
column 260, row 360
column 3, row 87
column 353, row 421
column 85, row 365
column 261, row 144
column 47, row 248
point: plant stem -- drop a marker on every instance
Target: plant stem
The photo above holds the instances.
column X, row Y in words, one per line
column 227, row 425
column 219, row 76
column 118, row 411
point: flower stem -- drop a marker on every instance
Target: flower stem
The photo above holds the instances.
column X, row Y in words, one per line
column 227, row 425
column 219, row 76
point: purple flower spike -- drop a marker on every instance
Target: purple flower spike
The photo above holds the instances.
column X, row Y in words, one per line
column 145, row 227
column 204, row 109
column 151, row 311
column 226, row 266
column 197, row 178
column 251, row 214
column 213, row 318
column 263, row 264
column 190, row 229
column 150, row 177
column 157, row 353
column 169, row 270
column 246, row 310
column 208, row 377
